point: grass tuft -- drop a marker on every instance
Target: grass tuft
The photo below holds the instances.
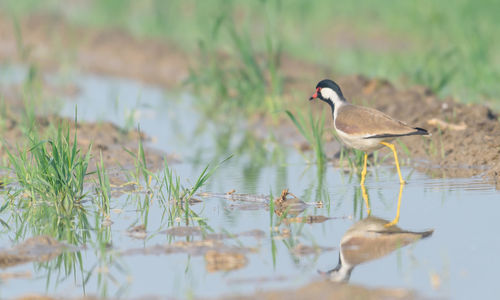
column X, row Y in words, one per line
column 52, row 171
column 240, row 78
column 103, row 189
column 171, row 191
column 313, row 132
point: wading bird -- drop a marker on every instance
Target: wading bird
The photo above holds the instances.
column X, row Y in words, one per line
column 363, row 128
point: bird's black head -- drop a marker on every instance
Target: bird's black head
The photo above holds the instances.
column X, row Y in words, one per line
column 340, row 273
column 331, row 85
column 329, row 92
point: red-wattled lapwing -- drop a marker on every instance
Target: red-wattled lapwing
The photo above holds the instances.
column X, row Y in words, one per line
column 363, row 128
column 367, row 240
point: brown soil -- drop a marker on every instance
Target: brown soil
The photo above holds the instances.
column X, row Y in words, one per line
column 464, row 142
column 38, row 248
column 224, row 261
column 106, row 138
column 317, row 290
column 197, row 247
column 51, row 42
column 44, row 297
column 327, row 290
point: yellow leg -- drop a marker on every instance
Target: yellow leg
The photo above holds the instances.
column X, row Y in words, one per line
column 391, row 146
column 396, row 219
column 365, row 197
column 363, row 173
column 363, row 189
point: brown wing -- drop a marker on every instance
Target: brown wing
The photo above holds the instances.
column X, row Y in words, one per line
column 365, row 247
column 369, row 239
column 359, row 120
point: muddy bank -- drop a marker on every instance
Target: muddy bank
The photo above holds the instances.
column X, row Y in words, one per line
column 316, row 290
column 51, row 42
column 103, row 137
column 38, row 248
column 465, row 139
column 327, row 290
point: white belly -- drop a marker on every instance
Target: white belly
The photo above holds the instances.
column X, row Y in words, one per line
column 359, row 142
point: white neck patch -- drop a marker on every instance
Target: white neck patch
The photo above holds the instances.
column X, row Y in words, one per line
column 344, row 273
column 328, row 93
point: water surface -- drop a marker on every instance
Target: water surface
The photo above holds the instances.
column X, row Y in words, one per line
column 458, row 261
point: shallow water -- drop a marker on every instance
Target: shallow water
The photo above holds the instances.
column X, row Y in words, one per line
column 458, row 261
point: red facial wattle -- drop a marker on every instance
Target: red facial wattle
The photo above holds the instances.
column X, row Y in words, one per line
column 315, row 95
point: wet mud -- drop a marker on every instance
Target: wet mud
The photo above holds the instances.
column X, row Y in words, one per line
column 465, row 138
column 328, row 290
column 104, row 137
column 197, row 247
column 35, row 249
column 98, row 51
column 216, row 261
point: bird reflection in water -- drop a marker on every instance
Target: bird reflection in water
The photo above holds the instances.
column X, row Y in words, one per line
column 368, row 209
column 367, row 240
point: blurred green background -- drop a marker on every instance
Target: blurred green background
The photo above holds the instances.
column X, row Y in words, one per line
column 451, row 47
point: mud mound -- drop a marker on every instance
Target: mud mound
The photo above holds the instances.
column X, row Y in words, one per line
column 105, row 138
column 38, row 248
column 100, row 51
column 327, row 290
column 465, row 139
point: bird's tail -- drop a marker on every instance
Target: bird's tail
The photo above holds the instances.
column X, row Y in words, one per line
column 421, row 131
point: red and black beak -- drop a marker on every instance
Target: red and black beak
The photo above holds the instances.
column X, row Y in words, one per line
column 315, row 95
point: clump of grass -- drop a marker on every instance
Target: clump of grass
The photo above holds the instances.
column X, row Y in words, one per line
column 437, row 69
column 103, row 189
column 272, row 229
column 433, row 149
column 3, row 114
column 22, row 50
column 141, row 166
column 48, row 196
column 172, row 194
column 52, row 171
column 313, row 132
column 171, row 191
column 243, row 80
column 355, row 158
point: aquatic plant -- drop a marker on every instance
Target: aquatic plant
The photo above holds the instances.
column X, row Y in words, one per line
column 245, row 80
column 313, row 132
column 52, row 171
column 356, row 160
column 140, row 162
column 103, row 187
column 176, row 198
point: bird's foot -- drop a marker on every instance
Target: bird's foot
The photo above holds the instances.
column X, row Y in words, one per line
column 392, row 223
